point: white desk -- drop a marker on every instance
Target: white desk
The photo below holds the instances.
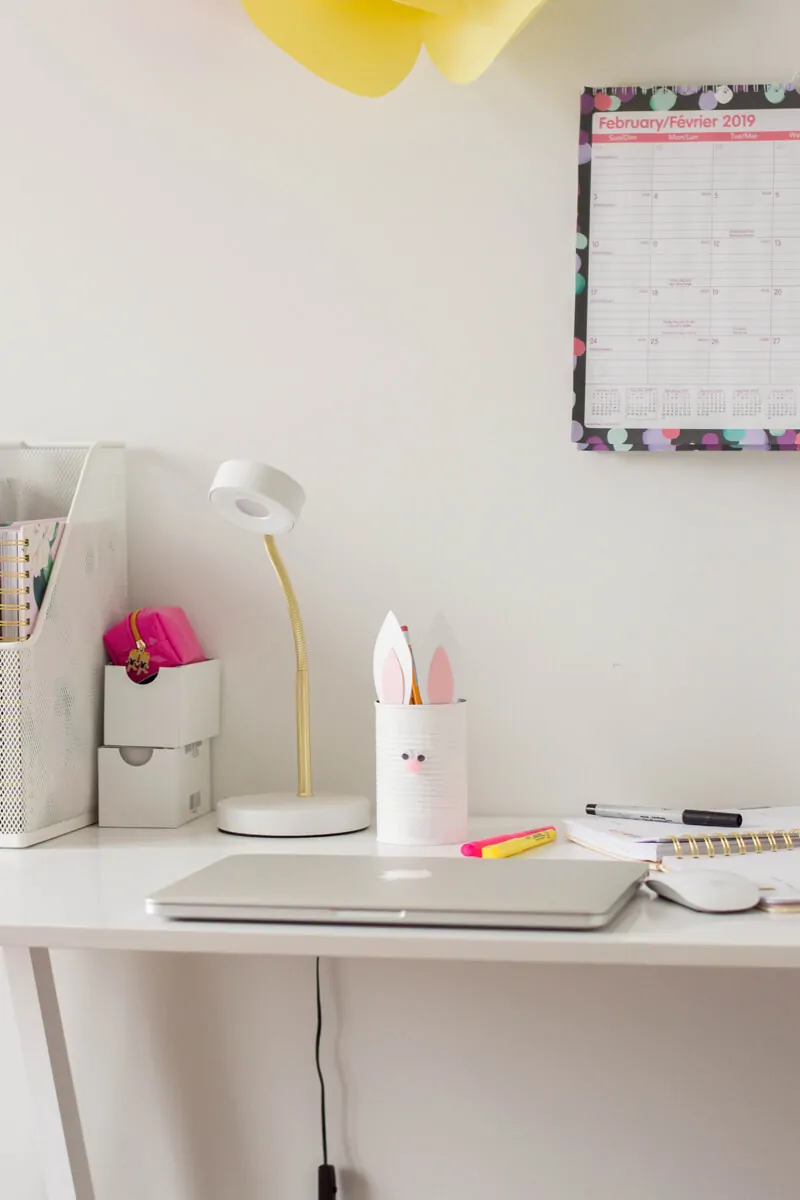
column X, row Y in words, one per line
column 87, row 891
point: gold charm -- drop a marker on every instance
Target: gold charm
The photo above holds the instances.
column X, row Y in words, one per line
column 138, row 660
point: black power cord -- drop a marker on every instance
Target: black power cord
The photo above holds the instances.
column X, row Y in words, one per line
column 326, row 1175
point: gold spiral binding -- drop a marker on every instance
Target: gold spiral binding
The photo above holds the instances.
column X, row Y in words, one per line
column 776, row 839
column 12, row 603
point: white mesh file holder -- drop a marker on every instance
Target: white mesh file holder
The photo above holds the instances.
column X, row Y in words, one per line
column 51, row 685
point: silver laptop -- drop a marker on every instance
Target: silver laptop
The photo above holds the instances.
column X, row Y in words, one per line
column 536, row 893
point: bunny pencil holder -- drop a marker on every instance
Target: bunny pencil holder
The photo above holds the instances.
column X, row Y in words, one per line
column 420, row 749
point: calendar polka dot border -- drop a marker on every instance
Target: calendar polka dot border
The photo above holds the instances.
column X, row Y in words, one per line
column 659, row 99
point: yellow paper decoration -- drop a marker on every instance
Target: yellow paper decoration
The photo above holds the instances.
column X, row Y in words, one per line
column 369, row 46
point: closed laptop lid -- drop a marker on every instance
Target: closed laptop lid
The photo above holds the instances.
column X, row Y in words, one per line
column 314, row 887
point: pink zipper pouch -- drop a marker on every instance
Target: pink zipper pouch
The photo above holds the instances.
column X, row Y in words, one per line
column 151, row 638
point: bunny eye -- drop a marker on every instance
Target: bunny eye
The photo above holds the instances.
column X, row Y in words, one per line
column 420, row 758
column 405, row 757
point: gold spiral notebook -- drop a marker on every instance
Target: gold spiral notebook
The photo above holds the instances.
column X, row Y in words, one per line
column 760, row 849
column 27, row 554
column 649, row 842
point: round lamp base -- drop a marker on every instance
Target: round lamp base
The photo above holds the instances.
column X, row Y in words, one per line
column 283, row 814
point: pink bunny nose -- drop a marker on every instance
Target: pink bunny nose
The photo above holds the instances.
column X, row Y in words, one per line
column 413, row 766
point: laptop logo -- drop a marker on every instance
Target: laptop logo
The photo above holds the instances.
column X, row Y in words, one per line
column 402, row 873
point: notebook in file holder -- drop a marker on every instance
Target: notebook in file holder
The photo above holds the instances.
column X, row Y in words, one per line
column 14, row 575
column 51, row 682
column 27, row 559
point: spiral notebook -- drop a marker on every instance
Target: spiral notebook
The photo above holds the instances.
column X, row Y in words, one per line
column 27, row 554
column 758, row 849
column 687, row 325
column 762, row 829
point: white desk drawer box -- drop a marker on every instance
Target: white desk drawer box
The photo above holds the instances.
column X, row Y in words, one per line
column 181, row 705
column 154, row 789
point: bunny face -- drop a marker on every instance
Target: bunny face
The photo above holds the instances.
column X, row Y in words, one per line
column 421, row 773
column 411, row 764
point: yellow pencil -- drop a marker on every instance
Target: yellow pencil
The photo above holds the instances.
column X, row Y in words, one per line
column 519, row 845
column 416, row 695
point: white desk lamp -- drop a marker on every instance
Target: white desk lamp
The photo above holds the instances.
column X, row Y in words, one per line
column 265, row 501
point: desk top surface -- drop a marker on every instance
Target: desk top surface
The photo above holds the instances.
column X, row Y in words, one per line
column 87, row 890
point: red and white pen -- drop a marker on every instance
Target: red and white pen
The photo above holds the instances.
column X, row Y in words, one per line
column 475, row 849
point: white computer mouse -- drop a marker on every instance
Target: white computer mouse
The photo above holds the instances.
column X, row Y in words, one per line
column 706, row 891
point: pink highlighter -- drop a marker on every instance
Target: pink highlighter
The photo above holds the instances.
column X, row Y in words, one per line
column 475, row 849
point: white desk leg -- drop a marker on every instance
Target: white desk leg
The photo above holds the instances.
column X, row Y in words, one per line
column 33, row 995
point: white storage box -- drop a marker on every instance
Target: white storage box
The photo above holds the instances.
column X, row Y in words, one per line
column 181, row 705
column 154, row 789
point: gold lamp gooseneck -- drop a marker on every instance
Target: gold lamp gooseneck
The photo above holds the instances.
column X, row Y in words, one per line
column 263, row 500
column 304, row 787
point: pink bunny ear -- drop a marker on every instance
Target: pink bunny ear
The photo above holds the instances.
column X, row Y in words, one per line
column 441, row 684
column 392, row 681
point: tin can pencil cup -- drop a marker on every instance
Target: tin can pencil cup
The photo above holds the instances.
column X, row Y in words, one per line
column 421, row 773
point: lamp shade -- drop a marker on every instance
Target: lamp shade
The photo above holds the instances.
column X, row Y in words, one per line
column 256, row 497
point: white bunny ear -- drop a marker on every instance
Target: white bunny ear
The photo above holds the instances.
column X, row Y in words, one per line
column 392, row 667
column 437, row 664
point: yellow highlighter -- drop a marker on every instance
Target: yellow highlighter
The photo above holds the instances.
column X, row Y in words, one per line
column 519, row 845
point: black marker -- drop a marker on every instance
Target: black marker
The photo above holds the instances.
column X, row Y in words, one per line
column 668, row 816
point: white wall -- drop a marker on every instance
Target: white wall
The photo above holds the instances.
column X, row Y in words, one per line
column 208, row 253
